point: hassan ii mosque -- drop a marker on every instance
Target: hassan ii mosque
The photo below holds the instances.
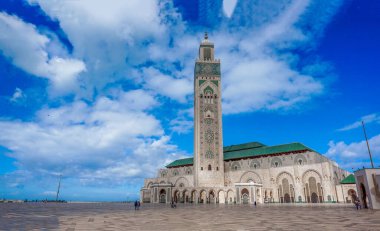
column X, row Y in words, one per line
column 243, row 173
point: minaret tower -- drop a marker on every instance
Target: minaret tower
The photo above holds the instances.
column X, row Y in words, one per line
column 208, row 136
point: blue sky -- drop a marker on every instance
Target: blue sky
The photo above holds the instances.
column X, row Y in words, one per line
column 102, row 93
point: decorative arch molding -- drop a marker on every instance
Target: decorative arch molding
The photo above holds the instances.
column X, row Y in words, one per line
column 175, row 172
column 221, row 190
column 274, row 161
column 299, row 157
column 149, row 184
column 283, row 175
column 182, row 180
column 311, row 173
column 250, row 175
column 235, row 166
column 188, row 171
column 206, row 84
column 254, row 164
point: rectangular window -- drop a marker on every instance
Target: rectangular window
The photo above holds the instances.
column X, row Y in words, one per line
column 207, row 53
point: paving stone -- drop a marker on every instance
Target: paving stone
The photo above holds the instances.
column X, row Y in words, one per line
column 121, row 216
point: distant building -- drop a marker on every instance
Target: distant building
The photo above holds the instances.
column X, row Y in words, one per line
column 244, row 173
column 346, row 190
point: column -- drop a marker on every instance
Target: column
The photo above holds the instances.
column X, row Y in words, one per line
column 168, row 196
column 237, row 195
column 251, row 193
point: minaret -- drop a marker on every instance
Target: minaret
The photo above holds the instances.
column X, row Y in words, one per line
column 208, row 136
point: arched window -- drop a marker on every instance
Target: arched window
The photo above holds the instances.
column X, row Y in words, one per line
column 236, row 167
column 217, row 168
column 201, row 168
column 300, row 161
column 209, row 167
column 276, row 164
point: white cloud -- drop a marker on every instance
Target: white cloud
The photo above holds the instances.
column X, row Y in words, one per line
column 17, row 96
column 112, row 38
column 229, row 6
column 160, row 56
column 266, row 84
column 371, row 118
column 110, row 135
column 355, row 154
column 110, row 139
column 27, row 48
column 166, row 85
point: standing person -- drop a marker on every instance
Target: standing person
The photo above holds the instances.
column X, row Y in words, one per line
column 357, row 204
column 255, row 203
column 135, row 205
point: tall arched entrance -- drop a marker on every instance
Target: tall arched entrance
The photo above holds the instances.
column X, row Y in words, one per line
column 245, row 196
column 176, row 196
column 314, row 198
column 193, row 196
column 221, row 197
column 352, row 197
column 313, row 191
column 211, row 197
column 162, row 196
column 202, row 197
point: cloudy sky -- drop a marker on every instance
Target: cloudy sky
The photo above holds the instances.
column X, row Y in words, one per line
column 101, row 92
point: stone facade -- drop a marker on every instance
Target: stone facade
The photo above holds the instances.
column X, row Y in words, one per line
column 368, row 183
column 245, row 173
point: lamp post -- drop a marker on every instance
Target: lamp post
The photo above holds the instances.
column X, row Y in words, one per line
column 366, row 139
column 59, row 186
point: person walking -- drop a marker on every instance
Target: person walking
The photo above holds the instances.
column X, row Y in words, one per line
column 135, row 205
column 255, row 203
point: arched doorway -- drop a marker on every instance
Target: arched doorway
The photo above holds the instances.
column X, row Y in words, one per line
column 193, row 196
column 162, row 196
column 176, row 196
column 314, row 190
column 211, row 197
column 287, row 198
column 230, row 197
column 351, row 196
column 245, row 196
column 222, row 198
column 202, row 197
column 185, row 196
column 364, row 196
column 314, row 198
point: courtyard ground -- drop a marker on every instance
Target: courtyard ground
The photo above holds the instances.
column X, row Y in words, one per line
column 121, row 216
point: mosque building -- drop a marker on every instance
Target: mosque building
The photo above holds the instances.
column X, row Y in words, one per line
column 244, row 173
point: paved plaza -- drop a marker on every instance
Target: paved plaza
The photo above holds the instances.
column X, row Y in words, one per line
column 121, row 216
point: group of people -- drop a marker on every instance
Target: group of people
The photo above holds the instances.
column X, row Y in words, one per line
column 137, row 205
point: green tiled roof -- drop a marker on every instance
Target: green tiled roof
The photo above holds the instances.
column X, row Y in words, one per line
column 265, row 150
column 181, row 162
column 248, row 150
column 242, row 146
column 349, row 180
